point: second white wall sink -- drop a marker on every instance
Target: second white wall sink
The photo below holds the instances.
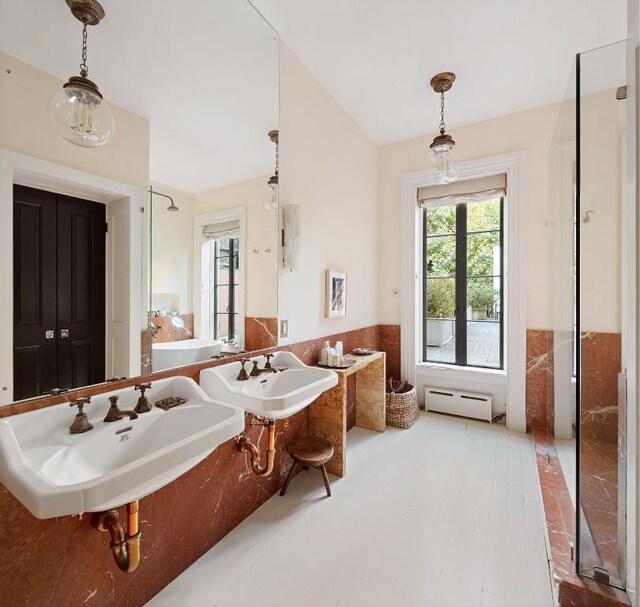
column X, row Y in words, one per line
column 55, row 473
column 270, row 395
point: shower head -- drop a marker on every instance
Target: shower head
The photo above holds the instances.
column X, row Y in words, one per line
column 172, row 207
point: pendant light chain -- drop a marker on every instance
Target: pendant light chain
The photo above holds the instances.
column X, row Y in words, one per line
column 277, row 158
column 84, row 69
column 442, row 124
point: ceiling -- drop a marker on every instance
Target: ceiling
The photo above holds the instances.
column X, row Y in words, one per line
column 204, row 72
column 207, row 77
column 377, row 56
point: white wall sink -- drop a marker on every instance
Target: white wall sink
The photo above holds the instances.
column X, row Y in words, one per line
column 171, row 354
column 55, row 473
column 271, row 395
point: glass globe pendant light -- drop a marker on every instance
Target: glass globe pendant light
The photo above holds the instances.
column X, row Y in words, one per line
column 78, row 110
column 443, row 145
column 273, row 182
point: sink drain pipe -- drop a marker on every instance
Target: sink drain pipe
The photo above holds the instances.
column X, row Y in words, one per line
column 244, row 445
column 124, row 546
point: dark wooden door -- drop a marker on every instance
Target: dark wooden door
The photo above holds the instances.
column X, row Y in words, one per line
column 81, row 292
column 59, row 292
column 35, row 313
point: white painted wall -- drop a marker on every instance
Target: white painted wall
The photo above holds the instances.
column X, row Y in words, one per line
column 328, row 167
column 531, row 133
column 172, row 251
column 25, row 127
column 261, row 229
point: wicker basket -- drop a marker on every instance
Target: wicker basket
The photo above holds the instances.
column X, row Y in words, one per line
column 402, row 404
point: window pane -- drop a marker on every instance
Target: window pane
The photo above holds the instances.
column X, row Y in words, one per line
column 236, row 253
column 483, row 254
column 441, row 256
column 483, row 215
column 483, row 344
column 440, row 323
column 483, row 299
column 441, row 220
column 222, row 326
column 483, row 322
column 222, row 300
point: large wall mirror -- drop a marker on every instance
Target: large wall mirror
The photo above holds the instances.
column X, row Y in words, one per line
column 103, row 268
column 212, row 203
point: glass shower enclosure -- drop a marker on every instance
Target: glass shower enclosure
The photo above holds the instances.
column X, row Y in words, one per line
column 586, row 384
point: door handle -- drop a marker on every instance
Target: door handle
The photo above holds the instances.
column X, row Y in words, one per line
column 64, row 333
column 49, row 334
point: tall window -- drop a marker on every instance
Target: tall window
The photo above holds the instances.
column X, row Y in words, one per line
column 220, row 280
column 225, row 282
column 463, row 284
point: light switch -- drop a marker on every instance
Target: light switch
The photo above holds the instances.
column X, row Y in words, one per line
column 284, row 328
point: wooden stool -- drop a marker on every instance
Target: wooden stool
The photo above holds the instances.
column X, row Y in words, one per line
column 309, row 452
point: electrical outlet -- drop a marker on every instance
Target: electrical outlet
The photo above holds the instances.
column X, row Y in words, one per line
column 284, row 328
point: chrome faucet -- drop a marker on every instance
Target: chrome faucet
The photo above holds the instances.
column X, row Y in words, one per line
column 115, row 413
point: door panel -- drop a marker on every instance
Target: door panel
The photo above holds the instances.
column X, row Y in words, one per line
column 81, row 292
column 34, row 292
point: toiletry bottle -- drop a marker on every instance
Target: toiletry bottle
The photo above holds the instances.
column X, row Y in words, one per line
column 339, row 348
column 324, row 354
column 332, row 357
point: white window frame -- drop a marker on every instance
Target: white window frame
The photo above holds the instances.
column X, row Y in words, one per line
column 201, row 320
column 514, row 275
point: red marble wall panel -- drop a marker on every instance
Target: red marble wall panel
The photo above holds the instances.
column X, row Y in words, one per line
column 389, row 342
column 575, row 591
column 600, row 360
column 539, row 392
column 64, row 562
column 172, row 328
column 260, row 333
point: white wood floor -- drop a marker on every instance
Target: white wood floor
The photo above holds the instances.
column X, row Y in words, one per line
column 445, row 514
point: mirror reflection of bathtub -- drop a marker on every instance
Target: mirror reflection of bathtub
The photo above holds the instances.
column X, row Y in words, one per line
column 184, row 352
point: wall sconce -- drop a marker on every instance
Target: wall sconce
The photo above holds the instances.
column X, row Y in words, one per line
column 292, row 260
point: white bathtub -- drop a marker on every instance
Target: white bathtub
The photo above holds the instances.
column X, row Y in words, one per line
column 184, row 352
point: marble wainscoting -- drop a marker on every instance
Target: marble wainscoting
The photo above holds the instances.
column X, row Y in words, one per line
column 574, row 591
column 389, row 342
column 539, row 379
column 173, row 328
column 260, row 333
column 600, row 359
column 599, row 499
column 598, row 477
column 170, row 328
column 64, row 562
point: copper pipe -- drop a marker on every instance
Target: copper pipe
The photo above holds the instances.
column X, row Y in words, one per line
column 124, row 546
column 244, row 445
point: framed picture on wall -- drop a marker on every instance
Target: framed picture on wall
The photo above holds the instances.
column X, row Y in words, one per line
column 336, row 294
